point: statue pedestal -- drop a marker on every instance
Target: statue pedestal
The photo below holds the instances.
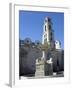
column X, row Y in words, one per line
column 48, row 68
column 39, row 69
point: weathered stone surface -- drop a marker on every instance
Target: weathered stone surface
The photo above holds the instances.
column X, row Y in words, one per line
column 48, row 69
column 39, row 68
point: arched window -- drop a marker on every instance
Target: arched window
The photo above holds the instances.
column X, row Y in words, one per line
column 49, row 27
column 45, row 27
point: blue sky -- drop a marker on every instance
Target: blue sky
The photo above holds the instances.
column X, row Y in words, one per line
column 31, row 25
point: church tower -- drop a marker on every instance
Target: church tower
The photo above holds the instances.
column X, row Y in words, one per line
column 48, row 33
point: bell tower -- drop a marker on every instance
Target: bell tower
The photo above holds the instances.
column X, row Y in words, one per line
column 48, row 33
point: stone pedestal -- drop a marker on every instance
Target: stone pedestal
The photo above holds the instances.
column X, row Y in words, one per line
column 39, row 69
column 48, row 68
